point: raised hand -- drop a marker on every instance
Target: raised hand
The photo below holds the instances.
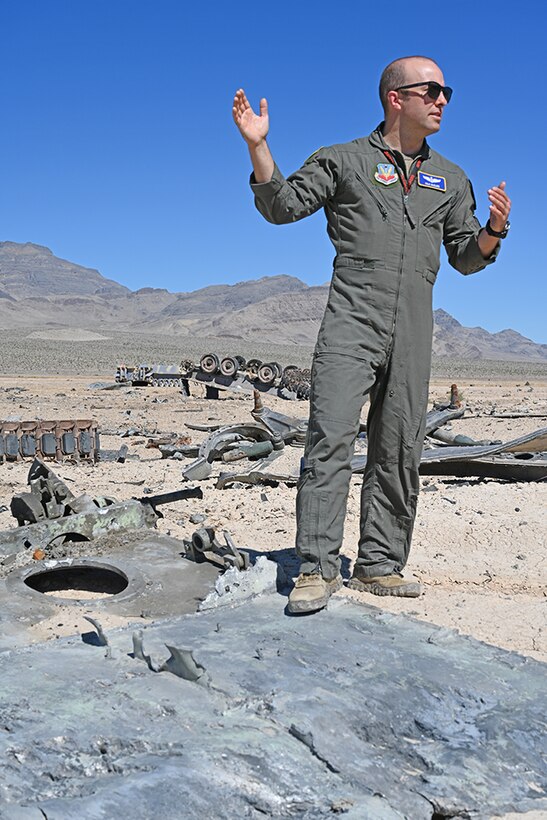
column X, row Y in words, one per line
column 253, row 127
column 500, row 205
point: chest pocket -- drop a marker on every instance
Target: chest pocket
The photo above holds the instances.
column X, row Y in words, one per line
column 370, row 220
column 430, row 237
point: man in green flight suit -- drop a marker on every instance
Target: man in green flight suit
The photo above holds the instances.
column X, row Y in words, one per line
column 390, row 201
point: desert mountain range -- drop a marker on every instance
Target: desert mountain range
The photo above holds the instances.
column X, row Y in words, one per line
column 40, row 290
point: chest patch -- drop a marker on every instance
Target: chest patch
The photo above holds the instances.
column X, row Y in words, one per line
column 430, row 181
column 385, row 174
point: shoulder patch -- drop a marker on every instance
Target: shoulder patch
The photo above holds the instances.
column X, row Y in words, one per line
column 311, row 156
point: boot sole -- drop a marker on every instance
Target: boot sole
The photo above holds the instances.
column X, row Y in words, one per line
column 299, row 607
column 408, row 590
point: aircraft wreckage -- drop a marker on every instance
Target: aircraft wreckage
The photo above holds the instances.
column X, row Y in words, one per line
column 217, row 374
column 210, row 701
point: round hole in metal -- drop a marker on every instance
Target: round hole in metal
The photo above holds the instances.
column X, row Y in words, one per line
column 78, row 582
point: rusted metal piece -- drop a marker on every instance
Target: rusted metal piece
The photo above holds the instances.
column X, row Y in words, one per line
column 59, row 439
column 455, row 400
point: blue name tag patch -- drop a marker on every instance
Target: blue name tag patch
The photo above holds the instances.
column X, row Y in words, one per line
column 431, row 181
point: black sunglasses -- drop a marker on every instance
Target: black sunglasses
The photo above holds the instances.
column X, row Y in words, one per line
column 433, row 89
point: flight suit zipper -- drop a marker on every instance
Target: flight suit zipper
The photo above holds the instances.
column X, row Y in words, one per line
column 399, row 278
column 407, row 187
column 381, row 207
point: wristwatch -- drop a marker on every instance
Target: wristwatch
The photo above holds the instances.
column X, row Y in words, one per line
column 498, row 234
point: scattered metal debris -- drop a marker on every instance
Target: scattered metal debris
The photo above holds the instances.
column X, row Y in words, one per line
column 106, row 385
column 181, row 662
column 517, row 415
column 235, row 586
column 171, row 440
column 205, row 546
column 76, row 439
column 221, row 441
column 101, row 637
column 441, row 414
column 216, row 374
column 524, row 459
column 263, row 440
column 261, row 473
column 291, row 430
column 515, row 467
column 50, row 512
column 446, row 436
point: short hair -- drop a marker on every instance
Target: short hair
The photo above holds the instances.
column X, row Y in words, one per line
column 394, row 75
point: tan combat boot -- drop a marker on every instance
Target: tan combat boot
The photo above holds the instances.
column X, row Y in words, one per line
column 312, row 592
column 386, row 585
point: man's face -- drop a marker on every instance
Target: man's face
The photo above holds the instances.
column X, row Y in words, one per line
column 418, row 110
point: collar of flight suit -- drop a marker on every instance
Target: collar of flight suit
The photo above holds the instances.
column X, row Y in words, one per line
column 376, row 138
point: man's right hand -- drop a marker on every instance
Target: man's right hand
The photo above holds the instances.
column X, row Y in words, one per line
column 253, row 128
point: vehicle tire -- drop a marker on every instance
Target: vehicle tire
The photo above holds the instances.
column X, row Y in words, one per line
column 229, row 366
column 209, row 363
column 252, row 367
column 269, row 372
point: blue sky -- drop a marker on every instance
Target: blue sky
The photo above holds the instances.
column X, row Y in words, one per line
column 118, row 151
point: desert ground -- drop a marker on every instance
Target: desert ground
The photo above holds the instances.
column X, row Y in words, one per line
column 479, row 546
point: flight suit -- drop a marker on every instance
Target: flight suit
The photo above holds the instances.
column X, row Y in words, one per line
column 375, row 337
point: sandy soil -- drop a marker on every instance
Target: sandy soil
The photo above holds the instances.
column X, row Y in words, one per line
column 479, row 544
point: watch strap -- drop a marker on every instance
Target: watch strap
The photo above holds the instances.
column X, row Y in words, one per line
column 498, row 234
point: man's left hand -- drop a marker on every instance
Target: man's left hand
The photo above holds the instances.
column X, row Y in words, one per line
column 500, row 205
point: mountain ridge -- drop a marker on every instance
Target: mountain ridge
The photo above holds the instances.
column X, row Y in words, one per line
column 39, row 289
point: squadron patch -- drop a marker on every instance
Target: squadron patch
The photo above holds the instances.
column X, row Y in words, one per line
column 386, row 174
column 430, row 181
